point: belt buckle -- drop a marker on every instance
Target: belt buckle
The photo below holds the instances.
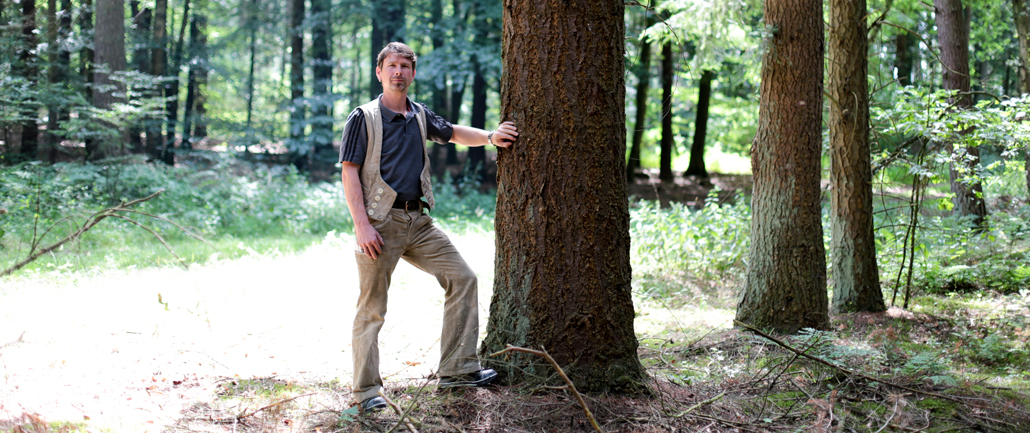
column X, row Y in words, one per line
column 408, row 202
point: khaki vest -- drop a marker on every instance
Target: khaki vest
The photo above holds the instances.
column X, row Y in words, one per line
column 379, row 197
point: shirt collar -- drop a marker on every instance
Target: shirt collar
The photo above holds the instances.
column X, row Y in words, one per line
column 389, row 114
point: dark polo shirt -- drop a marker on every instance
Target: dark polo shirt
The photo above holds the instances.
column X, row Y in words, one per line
column 401, row 163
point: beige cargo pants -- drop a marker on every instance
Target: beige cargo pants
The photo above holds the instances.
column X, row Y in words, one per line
column 412, row 236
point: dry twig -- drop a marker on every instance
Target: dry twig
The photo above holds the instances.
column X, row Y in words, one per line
column 400, row 413
column 561, row 372
column 706, row 402
column 842, row 369
column 241, row 417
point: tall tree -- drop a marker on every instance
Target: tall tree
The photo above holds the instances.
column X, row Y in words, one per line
column 1022, row 17
column 856, row 279
column 87, row 55
column 697, row 147
column 387, row 26
column 55, row 73
column 563, row 273
column 297, row 112
column 158, row 68
column 953, row 34
column 475, row 159
column 141, row 22
column 322, row 97
column 251, row 10
column 903, row 57
column 109, row 56
column 643, row 73
column 193, row 126
column 172, row 88
column 668, row 142
column 785, row 284
column 28, row 69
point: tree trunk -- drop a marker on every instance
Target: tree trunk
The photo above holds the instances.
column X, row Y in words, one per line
column 475, row 161
column 1022, row 17
column 563, row 273
column 252, row 23
column 86, row 56
column 903, row 57
column 109, row 46
column 668, row 142
column 785, row 285
column 297, row 112
column 55, row 75
column 439, row 86
column 457, row 94
column 28, row 69
column 158, row 68
column 953, row 34
column 697, row 148
column 323, row 157
column 188, row 115
column 387, row 26
column 856, row 279
column 141, row 22
column 172, row 88
column 643, row 84
column 200, row 103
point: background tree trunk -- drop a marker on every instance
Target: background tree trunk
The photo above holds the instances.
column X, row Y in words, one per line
column 668, row 141
column 323, row 157
column 439, row 87
column 55, row 76
column 697, row 148
column 252, row 24
column 109, row 46
column 172, row 88
column 158, row 68
column 200, row 86
column 387, row 26
column 953, row 34
column 903, row 57
column 297, row 112
column 563, row 274
column 188, row 112
column 785, row 286
column 856, row 279
column 643, row 84
column 28, row 69
column 141, row 22
column 86, row 56
column 1022, row 16
column 475, row 160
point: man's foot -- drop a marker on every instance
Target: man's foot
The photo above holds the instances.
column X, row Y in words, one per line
column 477, row 378
column 373, row 404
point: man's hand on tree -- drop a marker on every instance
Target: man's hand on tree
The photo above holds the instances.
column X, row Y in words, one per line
column 369, row 240
column 504, row 135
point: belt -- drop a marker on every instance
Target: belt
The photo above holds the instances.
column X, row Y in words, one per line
column 410, row 205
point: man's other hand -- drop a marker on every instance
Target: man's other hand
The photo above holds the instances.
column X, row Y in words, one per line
column 369, row 240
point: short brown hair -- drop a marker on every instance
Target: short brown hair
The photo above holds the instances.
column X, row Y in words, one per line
column 398, row 48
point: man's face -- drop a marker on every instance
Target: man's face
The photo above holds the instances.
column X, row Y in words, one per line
column 396, row 73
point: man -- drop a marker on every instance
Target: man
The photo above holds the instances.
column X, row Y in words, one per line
column 386, row 180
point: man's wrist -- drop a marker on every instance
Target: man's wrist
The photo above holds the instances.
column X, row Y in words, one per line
column 490, row 137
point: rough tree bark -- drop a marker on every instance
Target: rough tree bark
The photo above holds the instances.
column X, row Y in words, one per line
column 953, row 34
column 856, row 279
column 562, row 266
column 27, row 68
column 697, row 147
column 643, row 85
column 665, row 160
column 785, row 286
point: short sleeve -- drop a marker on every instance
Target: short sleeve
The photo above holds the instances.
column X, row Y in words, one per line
column 355, row 138
column 438, row 129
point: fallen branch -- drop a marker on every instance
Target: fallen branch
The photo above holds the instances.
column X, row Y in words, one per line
column 703, row 403
column 842, row 369
column 241, row 417
column 400, row 413
column 561, row 372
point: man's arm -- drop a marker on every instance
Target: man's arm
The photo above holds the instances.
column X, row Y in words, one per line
column 504, row 136
column 368, row 238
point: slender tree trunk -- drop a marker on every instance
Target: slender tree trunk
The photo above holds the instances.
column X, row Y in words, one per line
column 457, row 95
column 55, row 75
column 643, row 84
column 141, row 22
column 953, row 34
column 86, row 56
column 200, row 103
column 856, row 279
column 321, row 88
column 297, row 112
column 252, row 23
column 785, row 286
column 1022, row 18
column 172, row 88
column 475, row 161
column 697, row 148
column 903, row 57
column 563, row 272
column 668, row 142
column 28, row 69
column 158, row 68
column 439, row 86
column 188, row 115
column 387, row 26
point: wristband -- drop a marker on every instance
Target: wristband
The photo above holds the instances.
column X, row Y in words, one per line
column 490, row 137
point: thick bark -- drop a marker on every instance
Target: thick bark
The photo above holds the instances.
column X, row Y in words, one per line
column 665, row 160
column 321, row 137
column 297, row 112
column 953, row 34
column 856, row 279
column 697, row 148
column 903, row 57
column 158, row 68
column 387, row 26
column 643, row 84
column 785, row 286
column 562, row 267
column 172, row 88
column 27, row 69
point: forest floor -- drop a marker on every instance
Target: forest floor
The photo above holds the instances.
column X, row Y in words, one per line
column 261, row 344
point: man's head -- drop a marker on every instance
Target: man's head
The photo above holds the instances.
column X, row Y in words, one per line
column 396, row 68
column 397, row 48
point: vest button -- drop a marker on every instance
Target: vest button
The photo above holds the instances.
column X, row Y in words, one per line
column 380, row 191
column 378, row 197
column 375, row 205
column 370, row 212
